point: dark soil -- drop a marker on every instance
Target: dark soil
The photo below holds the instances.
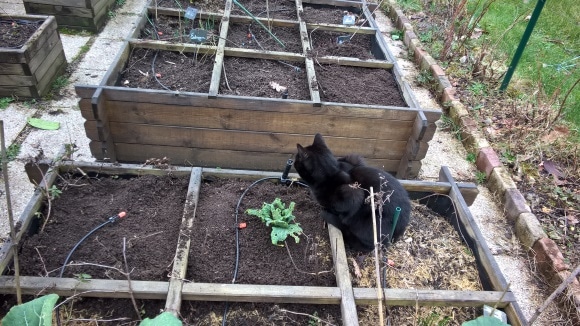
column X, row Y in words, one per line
column 154, row 207
column 14, row 33
column 184, row 72
column 174, row 30
column 272, row 9
column 329, row 14
column 326, row 43
column 240, row 35
column 213, row 253
column 253, row 77
column 346, row 84
column 205, row 5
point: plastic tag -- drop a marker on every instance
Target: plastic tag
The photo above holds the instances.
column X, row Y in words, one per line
column 348, row 20
column 190, row 13
column 342, row 39
column 198, row 35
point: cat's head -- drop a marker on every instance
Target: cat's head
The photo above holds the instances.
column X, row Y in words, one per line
column 315, row 163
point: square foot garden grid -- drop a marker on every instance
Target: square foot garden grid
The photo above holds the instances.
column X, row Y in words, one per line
column 177, row 289
column 245, row 87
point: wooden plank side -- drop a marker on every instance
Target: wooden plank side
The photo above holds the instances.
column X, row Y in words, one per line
column 95, row 288
column 355, row 62
column 249, row 120
column 306, row 50
column 219, row 57
column 17, row 81
column 114, row 71
column 57, row 10
column 72, row 3
column 39, row 40
column 57, row 67
column 178, row 273
column 14, row 69
column 490, row 273
column 342, row 272
column 261, row 293
column 437, row 298
column 250, row 140
column 19, row 91
column 137, row 153
column 103, row 127
column 254, row 103
column 39, row 57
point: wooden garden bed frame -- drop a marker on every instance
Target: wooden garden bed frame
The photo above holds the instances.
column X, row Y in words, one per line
column 455, row 198
column 89, row 15
column 131, row 125
column 28, row 72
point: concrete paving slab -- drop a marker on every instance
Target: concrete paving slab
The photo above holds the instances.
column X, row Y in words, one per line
column 132, row 7
column 101, row 54
column 87, row 76
column 12, row 7
column 119, row 27
column 14, row 117
column 21, row 191
column 51, row 142
column 72, row 45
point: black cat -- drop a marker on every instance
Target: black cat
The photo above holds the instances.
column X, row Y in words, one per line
column 342, row 185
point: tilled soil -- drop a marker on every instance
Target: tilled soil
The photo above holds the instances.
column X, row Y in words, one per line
column 14, row 33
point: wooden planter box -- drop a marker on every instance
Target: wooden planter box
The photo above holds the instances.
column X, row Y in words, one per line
column 177, row 290
column 29, row 71
column 131, row 125
column 89, row 15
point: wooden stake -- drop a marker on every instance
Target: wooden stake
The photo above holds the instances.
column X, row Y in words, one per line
column 377, row 268
column 14, row 244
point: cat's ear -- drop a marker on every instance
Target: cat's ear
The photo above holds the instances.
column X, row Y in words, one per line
column 301, row 150
column 319, row 141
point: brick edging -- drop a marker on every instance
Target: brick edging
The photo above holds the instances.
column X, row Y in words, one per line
column 545, row 252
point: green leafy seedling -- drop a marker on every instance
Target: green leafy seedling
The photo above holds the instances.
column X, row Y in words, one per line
column 280, row 219
column 35, row 312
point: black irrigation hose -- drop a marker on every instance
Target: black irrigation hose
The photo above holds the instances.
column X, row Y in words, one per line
column 155, row 58
column 284, row 179
column 111, row 220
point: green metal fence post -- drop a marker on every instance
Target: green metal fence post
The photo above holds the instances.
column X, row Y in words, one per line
column 522, row 45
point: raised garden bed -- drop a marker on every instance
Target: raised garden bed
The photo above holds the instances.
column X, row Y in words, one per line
column 31, row 55
column 89, row 15
column 180, row 287
column 241, row 116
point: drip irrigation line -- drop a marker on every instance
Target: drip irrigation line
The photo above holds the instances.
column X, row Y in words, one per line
column 155, row 57
column 283, row 179
column 110, row 220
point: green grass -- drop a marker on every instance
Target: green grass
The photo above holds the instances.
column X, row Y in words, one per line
column 552, row 53
column 5, row 102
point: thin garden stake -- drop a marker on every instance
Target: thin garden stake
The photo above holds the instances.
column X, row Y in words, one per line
column 395, row 221
column 259, row 22
column 14, row 244
column 377, row 268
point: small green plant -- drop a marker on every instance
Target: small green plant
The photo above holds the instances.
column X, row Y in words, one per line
column 425, row 78
column 5, row 101
column 280, row 218
column 59, row 83
column 111, row 14
column 54, row 192
column 313, row 320
column 426, row 37
column 83, row 277
column 477, row 88
column 396, row 35
column 508, row 157
column 414, row 5
column 448, row 124
column 471, row 157
column 480, row 177
column 120, row 3
column 11, row 153
column 434, row 319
